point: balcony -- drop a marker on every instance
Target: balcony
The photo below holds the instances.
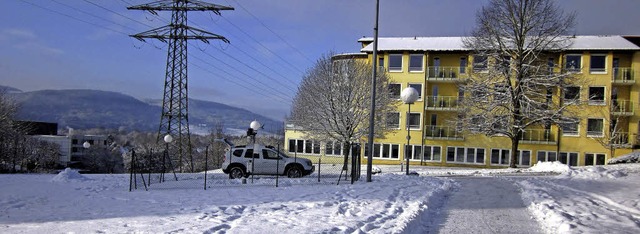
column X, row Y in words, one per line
column 623, row 76
column 537, row 136
column 620, row 139
column 442, row 103
column 622, row 107
column 442, row 133
column 446, row 74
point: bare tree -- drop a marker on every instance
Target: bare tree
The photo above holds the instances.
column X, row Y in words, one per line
column 333, row 101
column 516, row 83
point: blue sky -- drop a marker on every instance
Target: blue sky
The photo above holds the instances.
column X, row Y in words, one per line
column 84, row 44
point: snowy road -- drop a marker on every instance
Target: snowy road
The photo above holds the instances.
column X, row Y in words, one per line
column 479, row 205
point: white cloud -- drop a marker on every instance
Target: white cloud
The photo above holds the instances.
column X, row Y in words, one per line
column 27, row 40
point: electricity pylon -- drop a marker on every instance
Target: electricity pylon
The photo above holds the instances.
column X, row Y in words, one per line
column 174, row 119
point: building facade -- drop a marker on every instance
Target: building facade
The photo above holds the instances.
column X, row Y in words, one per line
column 435, row 65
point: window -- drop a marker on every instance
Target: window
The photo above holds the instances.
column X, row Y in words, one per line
column 393, row 120
column 550, row 65
column 395, row 62
column 596, row 95
column 394, row 91
column 237, row 153
column 595, row 127
column 598, row 63
column 333, row 148
column 74, row 141
column 381, row 63
column 480, row 63
column 573, row 62
column 572, row 93
column 304, row 146
column 418, row 88
column 594, row 159
column 463, row 65
column 390, row 151
column 524, row 158
column 415, row 152
column 465, row 155
column 432, row 153
column 547, row 156
column 500, row 156
column 570, row 129
column 269, row 154
column 415, row 62
column 570, row 159
column 505, row 62
column 414, row 120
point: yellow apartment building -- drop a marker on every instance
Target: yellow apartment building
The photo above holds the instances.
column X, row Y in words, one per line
column 435, row 65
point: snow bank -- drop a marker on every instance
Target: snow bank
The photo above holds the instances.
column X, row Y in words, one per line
column 628, row 158
column 554, row 166
column 69, row 175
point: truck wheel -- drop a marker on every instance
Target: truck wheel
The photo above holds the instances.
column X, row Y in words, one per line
column 294, row 172
column 236, row 173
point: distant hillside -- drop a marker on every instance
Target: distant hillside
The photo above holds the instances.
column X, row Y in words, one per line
column 8, row 89
column 82, row 109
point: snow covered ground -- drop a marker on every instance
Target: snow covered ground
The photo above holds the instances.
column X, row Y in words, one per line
column 573, row 200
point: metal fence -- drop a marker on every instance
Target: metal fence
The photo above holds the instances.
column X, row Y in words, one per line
column 160, row 171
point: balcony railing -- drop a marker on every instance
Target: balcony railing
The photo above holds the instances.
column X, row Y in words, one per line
column 442, row 103
column 620, row 139
column 622, row 107
column 446, row 73
column 538, row 136
column 623, row 75
column 442, row 132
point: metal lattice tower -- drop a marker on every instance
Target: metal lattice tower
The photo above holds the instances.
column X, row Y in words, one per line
column 175, row 116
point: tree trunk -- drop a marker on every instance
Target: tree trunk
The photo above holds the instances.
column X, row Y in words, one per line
column 345, row 152
column 514, row 150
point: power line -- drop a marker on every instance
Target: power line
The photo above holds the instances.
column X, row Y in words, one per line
column 274, row 33
column 72, row 17
column 91, row 14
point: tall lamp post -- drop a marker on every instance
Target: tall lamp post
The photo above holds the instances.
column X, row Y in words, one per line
column 252, row 131
column 409, row 95
column 167, row 139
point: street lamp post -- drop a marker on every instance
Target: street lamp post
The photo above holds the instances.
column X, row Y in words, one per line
column 252, row 131
column 409, row 95
column 167, row 139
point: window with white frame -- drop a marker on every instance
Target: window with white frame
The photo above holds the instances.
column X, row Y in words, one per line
column 595, row 127
column 594, row 159
column 572, row 94
column 598, row 63
column 333, row 148
column 550, row 65
column 432, row 153
column 414, row 120
column 463, row 65
column 596, row 95
column 500, row 156
column 394, row 91
column 524, row 158
column 465, row 155
column 480, row 63
column 547, row 156
column 395, row 62
column 568, row 158
column 304, row 146
column 573, row 62
column 415, row 63
column 570, row 128
column 384, row 151
column 417, row 87
column 393, row 120
column 414, row 152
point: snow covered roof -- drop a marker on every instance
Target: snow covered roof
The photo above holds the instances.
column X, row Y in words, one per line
column 456, row 44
